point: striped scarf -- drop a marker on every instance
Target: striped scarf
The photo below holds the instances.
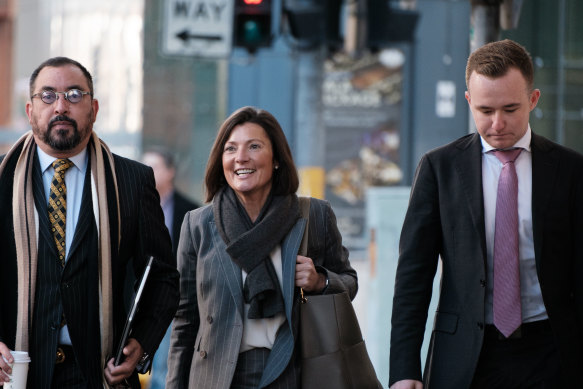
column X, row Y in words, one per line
column 25, row 219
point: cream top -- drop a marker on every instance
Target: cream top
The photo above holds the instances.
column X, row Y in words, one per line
column 258, row 333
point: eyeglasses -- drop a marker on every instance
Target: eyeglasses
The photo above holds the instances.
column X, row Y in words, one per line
column 72, row 96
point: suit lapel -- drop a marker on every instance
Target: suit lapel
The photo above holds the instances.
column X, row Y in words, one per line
column 229, row 269
column 545, row 164
column 289, row 252
column 86, row 216
column 284, row 342
column 41, row 206
column 468, row 165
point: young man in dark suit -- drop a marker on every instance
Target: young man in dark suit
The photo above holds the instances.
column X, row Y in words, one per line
column 510, row 311
column 73, row 215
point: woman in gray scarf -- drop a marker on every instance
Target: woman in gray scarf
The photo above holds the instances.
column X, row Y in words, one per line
column 237, row 323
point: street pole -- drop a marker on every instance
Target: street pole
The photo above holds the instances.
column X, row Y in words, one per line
column 355, row 36
column 484, row 22
column 6, row 48
column 484, row 28
column 309, row 140
column 309, row 132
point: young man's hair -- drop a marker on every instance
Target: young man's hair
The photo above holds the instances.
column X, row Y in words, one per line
column 494, row 59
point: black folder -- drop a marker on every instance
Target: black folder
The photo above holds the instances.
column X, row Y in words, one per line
column 127, row 330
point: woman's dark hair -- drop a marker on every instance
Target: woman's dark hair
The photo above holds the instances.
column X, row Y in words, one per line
column 285, row 179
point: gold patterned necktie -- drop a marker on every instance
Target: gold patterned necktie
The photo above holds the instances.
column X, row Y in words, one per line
column 58, row 206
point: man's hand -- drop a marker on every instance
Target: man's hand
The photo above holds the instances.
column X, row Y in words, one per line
column 407, row 384
column 5, row 368
column 133, row 351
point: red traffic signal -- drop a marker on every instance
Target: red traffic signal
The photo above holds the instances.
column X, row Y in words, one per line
column 252, row 24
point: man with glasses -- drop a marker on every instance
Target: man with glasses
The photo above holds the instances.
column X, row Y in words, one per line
column 73, row 215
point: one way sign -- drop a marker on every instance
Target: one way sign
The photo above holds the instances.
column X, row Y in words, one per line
column 201, row 28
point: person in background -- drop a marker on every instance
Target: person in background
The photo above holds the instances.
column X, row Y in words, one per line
column 237, row 323
column 503, row 210
column 175, row 205
column 73, row 215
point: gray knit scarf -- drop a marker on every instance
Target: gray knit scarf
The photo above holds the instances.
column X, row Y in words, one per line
column 249, row 245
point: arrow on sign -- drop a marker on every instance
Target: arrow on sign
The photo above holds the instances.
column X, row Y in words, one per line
column 186, row 35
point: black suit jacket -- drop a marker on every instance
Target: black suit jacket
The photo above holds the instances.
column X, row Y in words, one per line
column 445, row 219
column 181, row 206
column 143, row 233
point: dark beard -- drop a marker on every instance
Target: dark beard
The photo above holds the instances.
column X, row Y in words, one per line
column 57, row 139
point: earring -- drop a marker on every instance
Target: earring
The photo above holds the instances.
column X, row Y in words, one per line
column 276, row 167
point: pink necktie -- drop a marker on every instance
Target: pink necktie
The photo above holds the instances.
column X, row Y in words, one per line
column 507, row 306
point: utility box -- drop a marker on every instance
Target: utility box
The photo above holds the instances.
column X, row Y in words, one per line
column 385, row 213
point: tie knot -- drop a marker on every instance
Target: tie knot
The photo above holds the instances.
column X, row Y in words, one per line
column 506, row 156
column 61, row 165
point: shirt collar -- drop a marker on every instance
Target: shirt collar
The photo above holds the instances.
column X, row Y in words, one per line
column 523, row 143
column 46, row 161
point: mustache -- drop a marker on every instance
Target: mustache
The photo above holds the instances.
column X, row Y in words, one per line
column 62, row 118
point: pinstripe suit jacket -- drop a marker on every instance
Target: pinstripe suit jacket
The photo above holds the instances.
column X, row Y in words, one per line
column 208, row 327
column 143, row 233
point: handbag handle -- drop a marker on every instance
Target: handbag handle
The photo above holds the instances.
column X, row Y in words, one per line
column 305, row 213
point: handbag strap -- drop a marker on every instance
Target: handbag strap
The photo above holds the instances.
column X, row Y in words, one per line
column 305, row 213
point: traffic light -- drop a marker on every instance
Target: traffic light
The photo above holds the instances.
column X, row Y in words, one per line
column 315, row 22
column 386, row 24
column 252, row 24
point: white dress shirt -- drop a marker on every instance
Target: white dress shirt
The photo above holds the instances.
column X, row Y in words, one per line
column 167, row 204
column 74, row 180
column 258, row 333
